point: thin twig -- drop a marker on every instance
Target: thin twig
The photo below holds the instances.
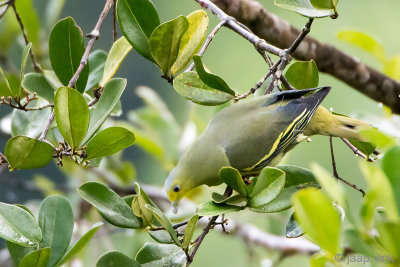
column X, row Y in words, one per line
column 208, row 41
column 8, row 2
column 36, row 66
column 4, row 11
column 3, row 159
column 355, row 150
column 303, row 34
column 94, row 35
column 175, row 226
column 335, row 173
column 199, row 240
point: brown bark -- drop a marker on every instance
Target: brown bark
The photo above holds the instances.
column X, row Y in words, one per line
column 329, row 59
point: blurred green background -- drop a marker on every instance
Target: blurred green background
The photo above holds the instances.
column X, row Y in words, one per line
column 236, row 60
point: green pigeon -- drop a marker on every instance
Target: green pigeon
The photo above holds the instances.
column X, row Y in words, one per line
column 255, row 133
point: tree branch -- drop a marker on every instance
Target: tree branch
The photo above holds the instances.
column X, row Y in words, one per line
column 329, row 59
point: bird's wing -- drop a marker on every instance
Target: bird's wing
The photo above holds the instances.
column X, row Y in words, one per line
column 254, row 134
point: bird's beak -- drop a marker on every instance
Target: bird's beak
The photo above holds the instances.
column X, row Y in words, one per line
column 175, row 205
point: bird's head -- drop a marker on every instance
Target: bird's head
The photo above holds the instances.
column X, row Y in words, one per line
column 176, row 186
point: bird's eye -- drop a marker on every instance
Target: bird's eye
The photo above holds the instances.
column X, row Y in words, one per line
column 177, row 188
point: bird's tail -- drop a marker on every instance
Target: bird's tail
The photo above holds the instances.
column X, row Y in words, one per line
column 325, row 123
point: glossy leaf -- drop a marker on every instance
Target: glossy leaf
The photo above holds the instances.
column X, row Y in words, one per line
column 111, row 206
column 296, row 179
column 82, row 242
column 139, row 203
column 32, row 123
column 189, row 85
column 137, row 19
column 17, row 252
column 390, row 165
column 109, row 141
column 233, row 179
column 18, row 226
column 303, row 74
column 305, row 8
column 271, row 184
column 318, row 218
column 72, row 115
column 363, row 41
column 189, row 231
column 53, row 11
column 7, row 86
column 293, row 229
column 161, row 236
column 109, row 99
column 324, row 4
column 116, row 258
column 235, row 199
column 211, row 209
column 191, row 39
column 161, row 218
column 56, row 220
column 164, row 42
column 36, row 82
column 210, row 79
column 365, row 147
column 97, row 61
column 66, row 48
column 37, row 258
column 158, row 255
column 26, row 153
column 118, row 52
column 24, row 59
column 378, row 138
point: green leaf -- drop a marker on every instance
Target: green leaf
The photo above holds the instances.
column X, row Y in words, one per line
column 318, row 218
column 319, row 259
column 356, row 241
column 109, row 141
column 189, row 231
column 57, row 222
column 116, row 258
column 210, row 79
column 29, row 19
column 97, row 61
column 118, row 52
column 389, row 237
column 191, row 39
column 365, row 147
column 109, row 99
column 139, row 203
column 53, row 11
column 212, row 209
column 324, row 4
column 390, row 165
column 26, row 153
column 111, row 206
column 25, row 55
column 82, row 242
column 378, row 138
column 189, row 85
column 303, row 74
column 137, row 20
column 296, row 179
column 161, row 218
column 330, row 185
column 235, row 199
column 159, row 255
column 66, row 48
column 7, row 87
column 18, row 226
column 392, row 67
column 72, row 115
column 32, row 123
column 17, row 252
column 233, row 179
column 164, row 42
column 161, row 236
column 365, row 42
column 271, row 184
column 293, row 229
column 305, row 8
column 37, row 258
column 36, row 82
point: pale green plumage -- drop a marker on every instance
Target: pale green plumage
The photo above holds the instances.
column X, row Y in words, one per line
column 251, row 135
